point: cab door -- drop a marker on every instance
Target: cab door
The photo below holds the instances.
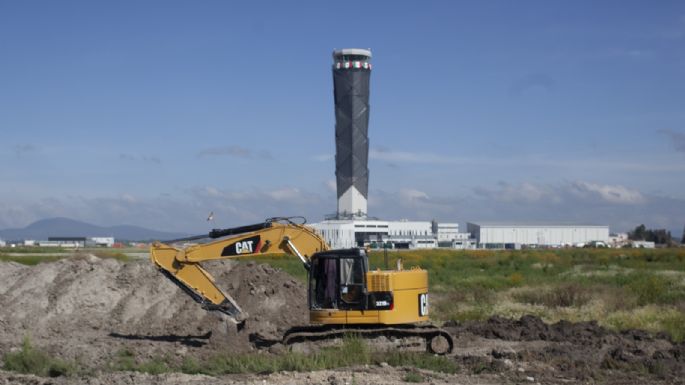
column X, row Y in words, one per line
column 337, row 280
column 352, row 283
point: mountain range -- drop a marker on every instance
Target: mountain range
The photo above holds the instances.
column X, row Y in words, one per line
column 65, row 227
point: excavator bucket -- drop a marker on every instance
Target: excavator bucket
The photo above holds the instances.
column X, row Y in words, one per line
column 195, row 281
column 228, row 306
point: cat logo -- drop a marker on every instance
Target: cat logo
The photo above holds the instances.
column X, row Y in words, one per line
column 423, row 305
column 243, row 247
column 246, row 246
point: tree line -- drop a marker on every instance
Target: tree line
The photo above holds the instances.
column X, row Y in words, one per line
column 658, row 236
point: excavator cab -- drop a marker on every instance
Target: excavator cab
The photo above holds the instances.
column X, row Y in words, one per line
column 337, row 280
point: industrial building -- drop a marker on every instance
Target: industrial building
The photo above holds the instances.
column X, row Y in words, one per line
column 403, row 234
column 351, row 226
column 512, row 235
column 72, row 242
column 65, row 241
column 100, row 241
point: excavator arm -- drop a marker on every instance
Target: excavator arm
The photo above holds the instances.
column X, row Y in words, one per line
column 275, row 236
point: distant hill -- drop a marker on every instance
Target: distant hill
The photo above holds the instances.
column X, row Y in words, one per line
column 65, row 227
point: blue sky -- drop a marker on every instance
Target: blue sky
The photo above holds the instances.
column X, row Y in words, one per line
column 156, row 113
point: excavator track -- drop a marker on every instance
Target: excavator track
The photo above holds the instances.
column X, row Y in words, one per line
column 438, row 341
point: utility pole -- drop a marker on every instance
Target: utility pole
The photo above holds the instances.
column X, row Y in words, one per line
column 385, row 253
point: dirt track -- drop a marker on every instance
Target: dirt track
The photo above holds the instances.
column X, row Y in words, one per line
column 89, row 309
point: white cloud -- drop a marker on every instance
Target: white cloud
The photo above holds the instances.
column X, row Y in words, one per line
column 128, row 198
column 609, row 193
column 579, row 191
column 387, row 155
column 212, row 192
column 621, row 207
column 529, row 161
column 22, row 149
column 408, row 203
column 524, row 192
column 412, row 194
column 410, row 157
column 141, row 158
column 532, row 82
column 323, row 157
column 232, row 207
column 677, row 139
column 285, row 194
column 234, row 151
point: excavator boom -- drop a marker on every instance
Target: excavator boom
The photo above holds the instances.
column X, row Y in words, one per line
column 182, row 265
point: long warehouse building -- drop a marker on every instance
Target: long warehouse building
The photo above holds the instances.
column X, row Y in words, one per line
column 506, row 235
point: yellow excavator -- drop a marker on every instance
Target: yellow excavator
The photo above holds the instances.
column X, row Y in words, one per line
column 344, row 295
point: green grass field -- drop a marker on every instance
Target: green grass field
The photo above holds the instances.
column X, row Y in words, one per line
column 35, row 255
column 620, row 288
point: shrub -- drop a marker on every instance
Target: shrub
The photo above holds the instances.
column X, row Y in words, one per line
column 675, row 326
column 418, row 360
column 413, row 377
column 564, row 295
column 516, row 279
column 654, row 289
column 34, row 361
column 475, row 313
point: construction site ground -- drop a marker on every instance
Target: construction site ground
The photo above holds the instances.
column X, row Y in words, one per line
column 91, row 312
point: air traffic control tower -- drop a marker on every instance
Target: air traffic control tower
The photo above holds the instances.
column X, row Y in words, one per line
column 351, row 73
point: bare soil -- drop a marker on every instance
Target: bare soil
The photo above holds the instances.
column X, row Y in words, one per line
column 349, row 376
column 90, row 309
column 564, row 352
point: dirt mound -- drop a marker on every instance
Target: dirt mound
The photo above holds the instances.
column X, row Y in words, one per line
column 89, row 308
column 531, row 328
column 566, row 350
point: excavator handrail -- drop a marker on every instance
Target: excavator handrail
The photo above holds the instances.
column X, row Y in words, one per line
column 218, row 233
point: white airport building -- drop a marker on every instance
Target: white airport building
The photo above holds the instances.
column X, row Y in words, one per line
column 101, row 241
column 403, row 234
column 73, row 242
column 512, row 235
